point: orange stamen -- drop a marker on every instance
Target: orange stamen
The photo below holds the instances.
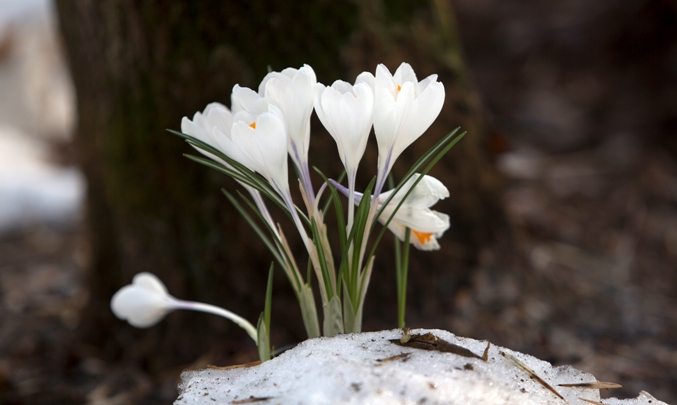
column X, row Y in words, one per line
column 423, row 237
column 253, row 125
column 399, row 87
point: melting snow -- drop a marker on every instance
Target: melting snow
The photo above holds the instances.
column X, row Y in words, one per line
column 367, row 368
column 31, row 188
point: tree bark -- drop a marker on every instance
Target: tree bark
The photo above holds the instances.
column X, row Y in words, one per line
column 138, row 67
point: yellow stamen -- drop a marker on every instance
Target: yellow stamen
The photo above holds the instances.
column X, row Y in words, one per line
column 423, row 237
column 253, row 125
column 399, row 87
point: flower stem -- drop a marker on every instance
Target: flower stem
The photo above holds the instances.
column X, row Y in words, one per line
column 351, row 198
column 214, row 310
column 402, row 273
column 261, row 205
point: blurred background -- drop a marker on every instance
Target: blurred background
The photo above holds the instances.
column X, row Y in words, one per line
column 563, row 200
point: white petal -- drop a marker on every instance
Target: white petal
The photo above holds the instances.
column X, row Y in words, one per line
column 426, row 193
column 244, row 98
column 150, row 282
column 308, row 71
column 405, row 73
column 138, row 307
column 274, row 75
column 420, row 219
column 403, row 106
column 299, row 100
column 318, row 91
column 397, row 229
column 213, row 107
column 422, row 113
column 289, row 72
column 325, row 101
column 265, row 146
column 243, row 135
column 426, row 225
column 384, row 121
column 421, row 86
column 429, row 244
column 292, row 92
column 231, row 150
column 342, row 87
column 390, row 122
column 245, row 117
column 271, row 140
column 367, row 78
column 202, row 127
column 360, row 107
column 383, row 81
column 420, row 241
column 346, row 113
column 189, row 127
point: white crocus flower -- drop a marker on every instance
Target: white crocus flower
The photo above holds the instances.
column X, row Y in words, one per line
column 425, row 224
column 213, row 127
column 346, row 113
column 262, row 139
column 404, row 109
column 291, row 90
column 200, row 127
column 146, row 301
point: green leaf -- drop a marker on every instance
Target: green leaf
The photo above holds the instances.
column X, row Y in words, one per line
column 359, row 228
column 338, row 180
column 269, row 297
column 336, row 200
column 255, row 181
column 402, row 274
column 322, row 259
column 238, row 171
column 329, row 258
column 398, row 261
column 309, row 311
column 263, row 326
column 348, row 314
column 273, row 248
column 263, row 342
column 440, row 145
column 333, row 319
column 365, row 278
column 419, row 163
column 214, row 151
column 352, row 311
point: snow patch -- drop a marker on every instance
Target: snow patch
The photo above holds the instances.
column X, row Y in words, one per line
column 33, row 190
column 367, row 368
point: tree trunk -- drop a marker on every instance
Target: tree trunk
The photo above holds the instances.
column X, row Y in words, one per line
column 138, row 67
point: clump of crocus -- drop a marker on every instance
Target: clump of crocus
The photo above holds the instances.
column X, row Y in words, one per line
column 252, row 143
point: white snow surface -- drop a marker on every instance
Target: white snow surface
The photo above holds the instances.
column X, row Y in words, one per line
column 37, row 109
column 33, row 190
column 13, row 10
column 360, row 369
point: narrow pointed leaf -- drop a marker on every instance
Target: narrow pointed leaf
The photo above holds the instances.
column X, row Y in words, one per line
column 263, row 341
column 333, row 319
column 309, row 312
column 273, row 248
